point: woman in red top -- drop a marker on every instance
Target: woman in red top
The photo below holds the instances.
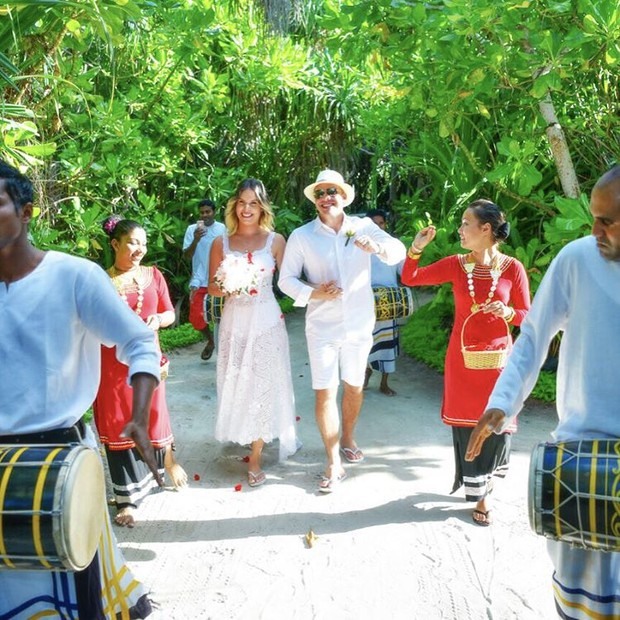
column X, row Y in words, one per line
column 492, row 286
column 145, row 291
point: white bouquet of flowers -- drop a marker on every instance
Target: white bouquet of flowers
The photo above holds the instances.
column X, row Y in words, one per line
column 238, row 275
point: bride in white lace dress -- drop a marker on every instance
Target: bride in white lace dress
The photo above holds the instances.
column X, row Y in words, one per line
column 255, row 400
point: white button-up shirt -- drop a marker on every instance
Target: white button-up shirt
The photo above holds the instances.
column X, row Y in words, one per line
column 324, row 255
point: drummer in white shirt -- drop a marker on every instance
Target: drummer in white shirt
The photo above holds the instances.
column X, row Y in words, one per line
column 333, row 253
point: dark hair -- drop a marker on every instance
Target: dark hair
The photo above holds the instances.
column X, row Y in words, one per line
column 206, row 203
column 17, row 185
column 377, row 212
column 116, row 227
column 488, row 212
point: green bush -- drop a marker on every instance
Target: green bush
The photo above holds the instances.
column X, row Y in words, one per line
column 178, row 337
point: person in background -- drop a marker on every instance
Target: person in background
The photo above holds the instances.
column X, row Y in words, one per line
column 255, row 398
column 385, row 346
column 144, row 291
column 197, row 247
column 333, row 252
column 57, row 310
column 579, row 296
column 488, row 285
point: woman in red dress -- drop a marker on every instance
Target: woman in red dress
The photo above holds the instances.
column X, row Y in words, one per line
column 491, row 286
column 145, row 292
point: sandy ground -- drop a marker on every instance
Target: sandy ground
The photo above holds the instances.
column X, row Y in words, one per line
column 392, row 542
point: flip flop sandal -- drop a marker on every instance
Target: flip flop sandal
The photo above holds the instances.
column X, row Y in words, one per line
column 486, row 517
column 327, row 485
column 352, row 455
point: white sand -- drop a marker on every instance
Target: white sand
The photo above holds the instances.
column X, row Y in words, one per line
column 392, row 542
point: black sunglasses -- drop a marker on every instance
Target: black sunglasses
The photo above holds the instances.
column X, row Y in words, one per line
column 330, row 191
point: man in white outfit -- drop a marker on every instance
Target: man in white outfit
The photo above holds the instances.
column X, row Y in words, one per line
column 197, row 247
column 333, row 252
column 57, row 311
column 580, row 296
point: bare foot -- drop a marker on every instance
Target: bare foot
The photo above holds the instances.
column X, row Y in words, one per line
column 384, row 388
column 387, row 390
column 124, row 517
column 175, row 472
column 367, row 376
column 177, row 475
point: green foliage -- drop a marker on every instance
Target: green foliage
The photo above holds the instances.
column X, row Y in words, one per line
column 143, row 109
column 425, row 335
column 178, row 337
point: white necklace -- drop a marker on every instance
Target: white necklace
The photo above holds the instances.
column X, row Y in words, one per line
column 122, row 282
column 496, row 272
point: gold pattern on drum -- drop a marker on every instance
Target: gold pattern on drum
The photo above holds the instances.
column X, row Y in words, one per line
column 574, row 492
column 44, row 523
column 392, row 303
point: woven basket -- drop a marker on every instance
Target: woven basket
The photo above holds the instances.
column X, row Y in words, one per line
column 485, row 360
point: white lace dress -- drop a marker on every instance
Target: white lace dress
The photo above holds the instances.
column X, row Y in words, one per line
column 255, row 398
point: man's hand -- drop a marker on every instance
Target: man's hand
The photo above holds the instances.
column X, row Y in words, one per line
column 143, row 385
column 367, row 244
column 328, row 290
column 140, row 437
column 491, row 420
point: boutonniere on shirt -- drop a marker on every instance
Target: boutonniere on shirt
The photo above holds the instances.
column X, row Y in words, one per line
column 350, row 234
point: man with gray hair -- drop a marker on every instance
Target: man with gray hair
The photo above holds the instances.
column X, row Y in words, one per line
column 333, row 252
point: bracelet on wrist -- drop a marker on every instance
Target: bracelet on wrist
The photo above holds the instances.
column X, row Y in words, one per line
column 511, row 316
column 412, row 255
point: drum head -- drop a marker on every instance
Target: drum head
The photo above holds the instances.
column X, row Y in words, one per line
column 82, row 508
column 534, row 496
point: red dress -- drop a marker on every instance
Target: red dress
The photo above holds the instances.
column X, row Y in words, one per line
column 113, row 404
column 467, row 391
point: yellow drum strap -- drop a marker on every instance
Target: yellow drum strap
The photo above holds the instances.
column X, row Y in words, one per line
column 36, row 507
column 4, row 483
column 593, row 492
column 556, row 490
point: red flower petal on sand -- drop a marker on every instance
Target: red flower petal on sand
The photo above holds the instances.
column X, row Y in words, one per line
column 196, row 477
column 237, row 487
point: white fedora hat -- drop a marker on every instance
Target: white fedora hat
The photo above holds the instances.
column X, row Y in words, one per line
column 331, row 177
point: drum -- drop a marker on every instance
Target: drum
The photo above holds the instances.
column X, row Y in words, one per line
column 574, row 492
column 213, row 309
column 52, row 506
column 392, row 302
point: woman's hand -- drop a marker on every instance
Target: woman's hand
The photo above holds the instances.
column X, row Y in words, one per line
column 154, row 322
column 423, row 238
column 498, row 309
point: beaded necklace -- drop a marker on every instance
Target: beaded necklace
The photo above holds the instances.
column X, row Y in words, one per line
column 496, row 272
column 122, row 284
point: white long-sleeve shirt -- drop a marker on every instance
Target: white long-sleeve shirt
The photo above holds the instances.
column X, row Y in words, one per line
column 52, row 325
column 323, row 255
column 579, row 295
column 200, row 259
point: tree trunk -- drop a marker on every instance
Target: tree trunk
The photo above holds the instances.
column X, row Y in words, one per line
column 559, row 149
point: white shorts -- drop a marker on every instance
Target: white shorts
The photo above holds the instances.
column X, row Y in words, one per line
column 331, row 361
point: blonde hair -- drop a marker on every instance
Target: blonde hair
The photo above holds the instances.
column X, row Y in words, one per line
column 266, row 221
